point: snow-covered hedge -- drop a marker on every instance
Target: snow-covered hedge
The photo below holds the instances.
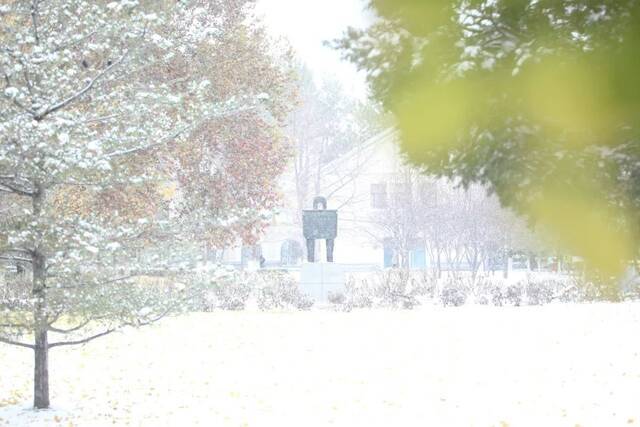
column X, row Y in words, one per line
column 277, row 290
column 231, row 293
column 228, row 289
column 393, row 288
column 399, row 288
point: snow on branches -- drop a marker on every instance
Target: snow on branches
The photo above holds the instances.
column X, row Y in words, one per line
column 102, row 105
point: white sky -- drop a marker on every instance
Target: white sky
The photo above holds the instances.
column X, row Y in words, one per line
column 307, row 23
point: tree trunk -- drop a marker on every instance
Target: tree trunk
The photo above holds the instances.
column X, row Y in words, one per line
column 41, row 350
column 41, row 321
column 41, row 362
column 505, row 262
column 41, row 371
column 205, row 252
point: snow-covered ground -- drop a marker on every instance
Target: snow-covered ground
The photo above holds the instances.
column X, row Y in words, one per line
column 559, row 364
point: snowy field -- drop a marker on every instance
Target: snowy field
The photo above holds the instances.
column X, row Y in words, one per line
column 562, row 365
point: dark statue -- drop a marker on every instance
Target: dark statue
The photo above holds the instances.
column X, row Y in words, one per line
column 319, row 224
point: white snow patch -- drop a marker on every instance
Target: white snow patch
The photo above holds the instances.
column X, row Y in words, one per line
column 474, row 365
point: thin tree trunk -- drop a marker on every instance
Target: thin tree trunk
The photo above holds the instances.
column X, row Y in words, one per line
column 41, row 371
column 205, row 252
column 41, row 350
column 505, row 264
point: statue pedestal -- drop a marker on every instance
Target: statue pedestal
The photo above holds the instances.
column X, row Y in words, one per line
column 319, row 278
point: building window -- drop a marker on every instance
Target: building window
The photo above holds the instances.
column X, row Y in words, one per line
column 379, row 195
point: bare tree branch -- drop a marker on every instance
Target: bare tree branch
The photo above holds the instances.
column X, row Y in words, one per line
column 15, row 325
column 16, row 343
column 109, row 331
column 16, row 250
column 83, row 341
column 14, row 259
column 34, row 20
column 68, row 331
column 155, row 319
column 6, row 188
column 11, row 184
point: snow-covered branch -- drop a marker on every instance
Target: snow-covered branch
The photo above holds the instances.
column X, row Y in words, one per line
column 14, row 259
column 57, row 106
column 34, row 20
column 11, row 184
column 177, row 133
column 70, row 330
column 136, row 323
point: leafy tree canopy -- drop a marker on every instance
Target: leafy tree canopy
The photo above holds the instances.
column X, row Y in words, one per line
column 538, row 100
column 127, row 129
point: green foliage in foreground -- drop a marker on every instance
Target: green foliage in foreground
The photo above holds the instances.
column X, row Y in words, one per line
column 537, row 100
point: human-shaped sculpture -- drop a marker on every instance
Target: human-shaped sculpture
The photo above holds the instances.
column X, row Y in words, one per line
column 319, row 224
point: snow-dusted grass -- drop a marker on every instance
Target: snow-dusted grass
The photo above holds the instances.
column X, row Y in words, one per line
column 559, row 364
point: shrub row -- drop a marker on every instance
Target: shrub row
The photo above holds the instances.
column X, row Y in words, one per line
column 234, row 289
column 404, row 289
